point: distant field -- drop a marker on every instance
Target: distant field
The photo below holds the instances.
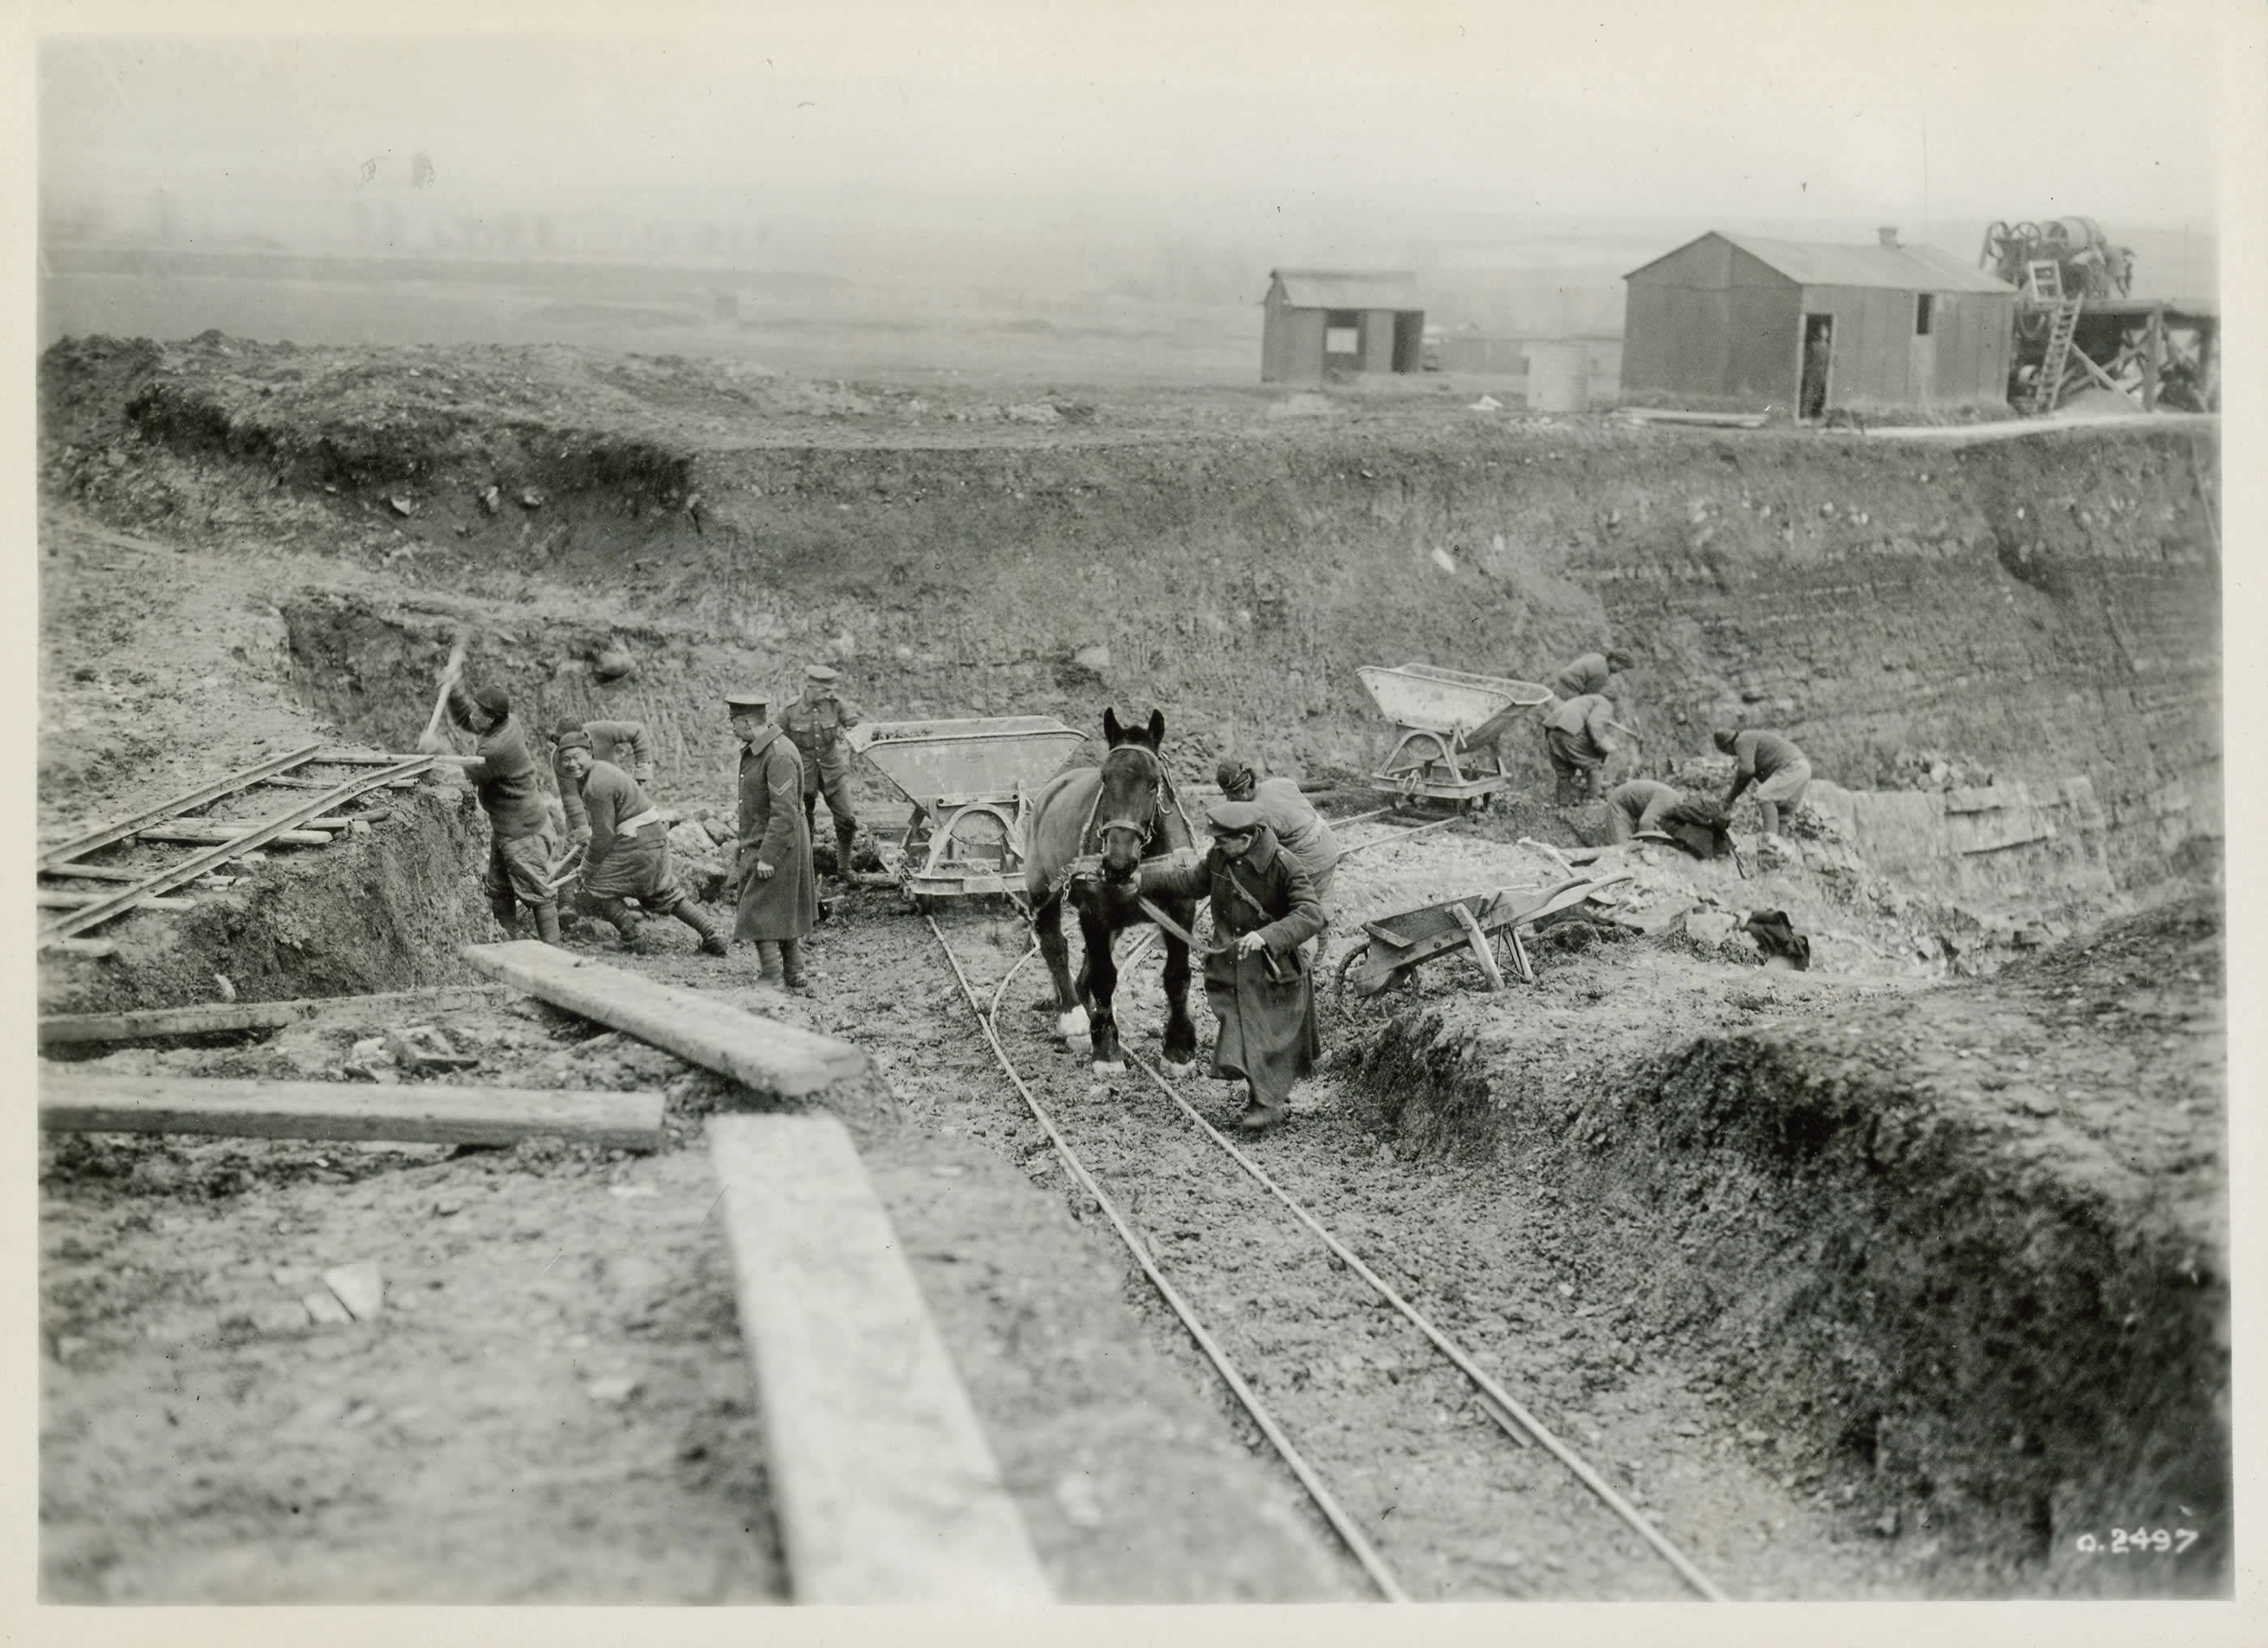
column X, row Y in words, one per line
column 804, row 329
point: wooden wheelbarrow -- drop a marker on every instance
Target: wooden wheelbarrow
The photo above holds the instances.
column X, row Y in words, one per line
column 1395, row 946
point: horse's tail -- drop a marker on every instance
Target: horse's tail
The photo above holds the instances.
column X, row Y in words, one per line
column 1058, row 814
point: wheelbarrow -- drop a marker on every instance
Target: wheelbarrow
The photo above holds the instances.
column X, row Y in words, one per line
column 1446, row 723
column 1395, row 946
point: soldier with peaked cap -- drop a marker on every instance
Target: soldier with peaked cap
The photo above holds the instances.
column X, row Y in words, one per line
column 1263, row 909
column 628, row 854
column 815, row 723
column 778, row 890
column 503, row 774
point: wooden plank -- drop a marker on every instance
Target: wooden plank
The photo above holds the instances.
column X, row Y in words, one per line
column 85, row 1098
column 96, row 949
column 355, row 758
column 218, row 1017
column 109, row 872
column 208, row 835
column 61, row 898
column 762, row 1053
column 886, row 1489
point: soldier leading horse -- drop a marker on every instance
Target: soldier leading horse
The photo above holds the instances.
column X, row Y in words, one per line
column 1091, row 828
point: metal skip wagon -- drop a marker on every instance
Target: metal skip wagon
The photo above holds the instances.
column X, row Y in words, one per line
column 971, row 781
column 1448, row 722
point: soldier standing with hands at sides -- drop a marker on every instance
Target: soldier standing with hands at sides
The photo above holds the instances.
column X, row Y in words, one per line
column 1263, row 909
column 503, row 774
column 778, row 889
column 815, row 723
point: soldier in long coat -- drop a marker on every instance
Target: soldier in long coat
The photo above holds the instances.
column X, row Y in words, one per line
column 816, row 722
column 778, row 889
column 1257, row 983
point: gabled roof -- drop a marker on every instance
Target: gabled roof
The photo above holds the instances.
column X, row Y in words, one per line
column 1815, row 264
column 1348, row 289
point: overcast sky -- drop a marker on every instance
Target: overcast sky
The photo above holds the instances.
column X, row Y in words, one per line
column 1732, row 111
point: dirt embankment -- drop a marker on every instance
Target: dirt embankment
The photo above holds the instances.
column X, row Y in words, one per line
column 1968, row 1246
column 2040, row 610
column 386, row 910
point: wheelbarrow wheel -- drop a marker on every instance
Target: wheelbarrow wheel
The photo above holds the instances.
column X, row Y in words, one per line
column 1347, row 963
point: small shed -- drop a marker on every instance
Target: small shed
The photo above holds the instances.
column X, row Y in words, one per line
column 1320, row 322
column 1734, row 322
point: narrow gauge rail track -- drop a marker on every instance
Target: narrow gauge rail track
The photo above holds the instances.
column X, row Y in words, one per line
column 1501, row 1407
column 377, row 771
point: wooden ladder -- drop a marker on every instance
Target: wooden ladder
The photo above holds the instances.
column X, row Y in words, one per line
column 2046, row 279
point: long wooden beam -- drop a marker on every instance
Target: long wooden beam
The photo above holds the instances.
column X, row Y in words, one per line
column 218, row 1017
column 886, row 1489
column 762, row 1053
column 209, row 835
column 87, row 1099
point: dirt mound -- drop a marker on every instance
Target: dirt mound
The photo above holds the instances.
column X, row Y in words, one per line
column 1969, row 1244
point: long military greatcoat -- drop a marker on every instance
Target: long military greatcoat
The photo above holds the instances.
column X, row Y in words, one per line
column 1267, row 1027
column 772, row 831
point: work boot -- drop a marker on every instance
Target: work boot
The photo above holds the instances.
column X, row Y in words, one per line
column 846, row 838
column 713, row 942
column 547, row 922
column 792, row 966
column 768, row 970
column 1258, row 1115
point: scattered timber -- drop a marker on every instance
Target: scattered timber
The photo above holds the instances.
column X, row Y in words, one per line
column 760, row 1053
column 888, row 1491
column 220, row 1018
column 207, row 834
column 85, row 1098
column 57, row 898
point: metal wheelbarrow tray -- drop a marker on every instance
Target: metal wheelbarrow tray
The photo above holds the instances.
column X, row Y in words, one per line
column 1396, row 945
column 1448, row 722
column 971, row 781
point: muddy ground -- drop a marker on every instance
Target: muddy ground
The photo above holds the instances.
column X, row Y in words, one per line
column 1570, row 1177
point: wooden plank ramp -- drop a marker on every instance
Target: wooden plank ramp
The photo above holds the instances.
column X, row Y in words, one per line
column 762, row 1053
column 85, row 1098
column 218, row 1017
column 886, row 1489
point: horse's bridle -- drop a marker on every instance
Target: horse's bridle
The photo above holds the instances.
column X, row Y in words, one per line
column 1144, row 828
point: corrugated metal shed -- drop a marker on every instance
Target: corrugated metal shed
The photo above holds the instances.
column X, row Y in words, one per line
column 1347, row 288
column 1813, row 263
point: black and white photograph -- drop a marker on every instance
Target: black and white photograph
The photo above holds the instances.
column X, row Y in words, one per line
column 998, row 805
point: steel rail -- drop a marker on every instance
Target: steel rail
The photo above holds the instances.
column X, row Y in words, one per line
column 197, row 863
column 1480, row 1377
column 1399, row 835
column 1342, row 1524
column 54, row 858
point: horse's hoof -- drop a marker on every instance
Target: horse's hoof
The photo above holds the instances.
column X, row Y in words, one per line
column 1072, row 1024
column 1101, row 1068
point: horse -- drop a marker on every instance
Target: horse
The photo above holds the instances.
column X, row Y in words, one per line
column 1122, row 808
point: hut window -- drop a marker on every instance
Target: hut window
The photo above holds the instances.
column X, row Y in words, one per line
column 1342, row 331
column 1923, row 318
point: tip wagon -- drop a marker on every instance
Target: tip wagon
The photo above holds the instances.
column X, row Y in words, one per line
column 969, row 780
column 1448, row 722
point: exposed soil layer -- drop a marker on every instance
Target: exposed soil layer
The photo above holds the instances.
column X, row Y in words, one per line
column 1964, row 1248
column 2034, row 608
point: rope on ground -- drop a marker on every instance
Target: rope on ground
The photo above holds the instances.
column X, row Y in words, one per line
column 1465, row 1365
column 1333, row 1513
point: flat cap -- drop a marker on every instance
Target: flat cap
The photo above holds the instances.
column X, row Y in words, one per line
column 495, row 700
column 575, row 738
column 1231, row 773
column 819, row 672
column 747, row 698
column 1229, row 817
